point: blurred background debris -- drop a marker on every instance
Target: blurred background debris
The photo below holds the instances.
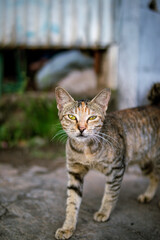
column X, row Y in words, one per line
column 67, row 66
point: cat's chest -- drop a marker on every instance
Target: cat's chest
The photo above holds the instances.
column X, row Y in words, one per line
column 90, row 156
column 87, row 157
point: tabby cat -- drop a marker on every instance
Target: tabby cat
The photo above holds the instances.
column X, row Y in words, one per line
column 107, row 142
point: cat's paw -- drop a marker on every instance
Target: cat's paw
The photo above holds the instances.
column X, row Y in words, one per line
column 100, row 217
column 143, row 198
column 62, row 233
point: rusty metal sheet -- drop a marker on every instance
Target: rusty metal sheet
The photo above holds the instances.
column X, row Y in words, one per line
column 60, row 23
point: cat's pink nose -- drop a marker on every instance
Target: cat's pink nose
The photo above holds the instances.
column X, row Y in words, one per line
column 81, row 128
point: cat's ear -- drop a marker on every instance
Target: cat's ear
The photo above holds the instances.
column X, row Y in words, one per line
column 102, row 98
column 62, row 97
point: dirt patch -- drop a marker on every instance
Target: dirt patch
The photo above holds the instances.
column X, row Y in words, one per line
column 51, row 156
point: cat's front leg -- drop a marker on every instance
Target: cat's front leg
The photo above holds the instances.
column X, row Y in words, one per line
column 112, row 189
column 74, row 195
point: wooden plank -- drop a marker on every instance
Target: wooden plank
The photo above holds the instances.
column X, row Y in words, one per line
column 110, row 67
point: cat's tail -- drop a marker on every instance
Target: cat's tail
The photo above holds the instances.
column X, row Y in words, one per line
column 154, row 94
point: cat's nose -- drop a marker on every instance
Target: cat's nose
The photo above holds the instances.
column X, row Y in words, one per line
column 81, row 129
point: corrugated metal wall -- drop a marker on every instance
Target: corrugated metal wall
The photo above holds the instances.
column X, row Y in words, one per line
column 60, row 23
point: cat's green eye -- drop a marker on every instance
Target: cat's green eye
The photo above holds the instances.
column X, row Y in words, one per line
column 92, row 117
column 72, row 117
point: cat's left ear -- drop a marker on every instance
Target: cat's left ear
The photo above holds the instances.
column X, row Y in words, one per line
column 62, row 97
column 102, row 98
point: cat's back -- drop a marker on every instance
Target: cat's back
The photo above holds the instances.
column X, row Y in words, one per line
column 140, row 129
column 144, row 119
column 144, row 116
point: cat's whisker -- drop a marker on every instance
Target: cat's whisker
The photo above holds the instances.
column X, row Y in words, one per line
column 106, row 140
column 105, row 135
column 108, row 136
column 97, row 139
column 94, row 138
column 63, row 138
column 60, row 132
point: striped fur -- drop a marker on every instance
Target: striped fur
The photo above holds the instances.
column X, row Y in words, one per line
column 107, row 142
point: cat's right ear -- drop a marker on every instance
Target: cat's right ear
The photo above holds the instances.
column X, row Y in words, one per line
column 62, row 97
column 102, row 98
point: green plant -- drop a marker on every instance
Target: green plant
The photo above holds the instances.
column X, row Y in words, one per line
column 28, row 117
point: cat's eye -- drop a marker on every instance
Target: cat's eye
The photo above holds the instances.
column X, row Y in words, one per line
column 92, row 117
column 71, row 116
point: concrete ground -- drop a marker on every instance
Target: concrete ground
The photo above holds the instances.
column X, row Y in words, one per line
column 32, row 206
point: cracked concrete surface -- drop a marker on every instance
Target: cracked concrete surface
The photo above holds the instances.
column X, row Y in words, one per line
column 32, row 207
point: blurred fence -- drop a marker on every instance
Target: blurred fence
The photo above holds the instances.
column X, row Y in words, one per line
column 60, row 23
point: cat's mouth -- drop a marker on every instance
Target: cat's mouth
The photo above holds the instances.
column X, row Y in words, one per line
column 81, row 136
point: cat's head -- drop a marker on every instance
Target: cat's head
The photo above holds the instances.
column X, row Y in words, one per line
column 83, row 119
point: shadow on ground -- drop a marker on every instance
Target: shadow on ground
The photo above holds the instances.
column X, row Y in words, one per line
column 32, row 204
